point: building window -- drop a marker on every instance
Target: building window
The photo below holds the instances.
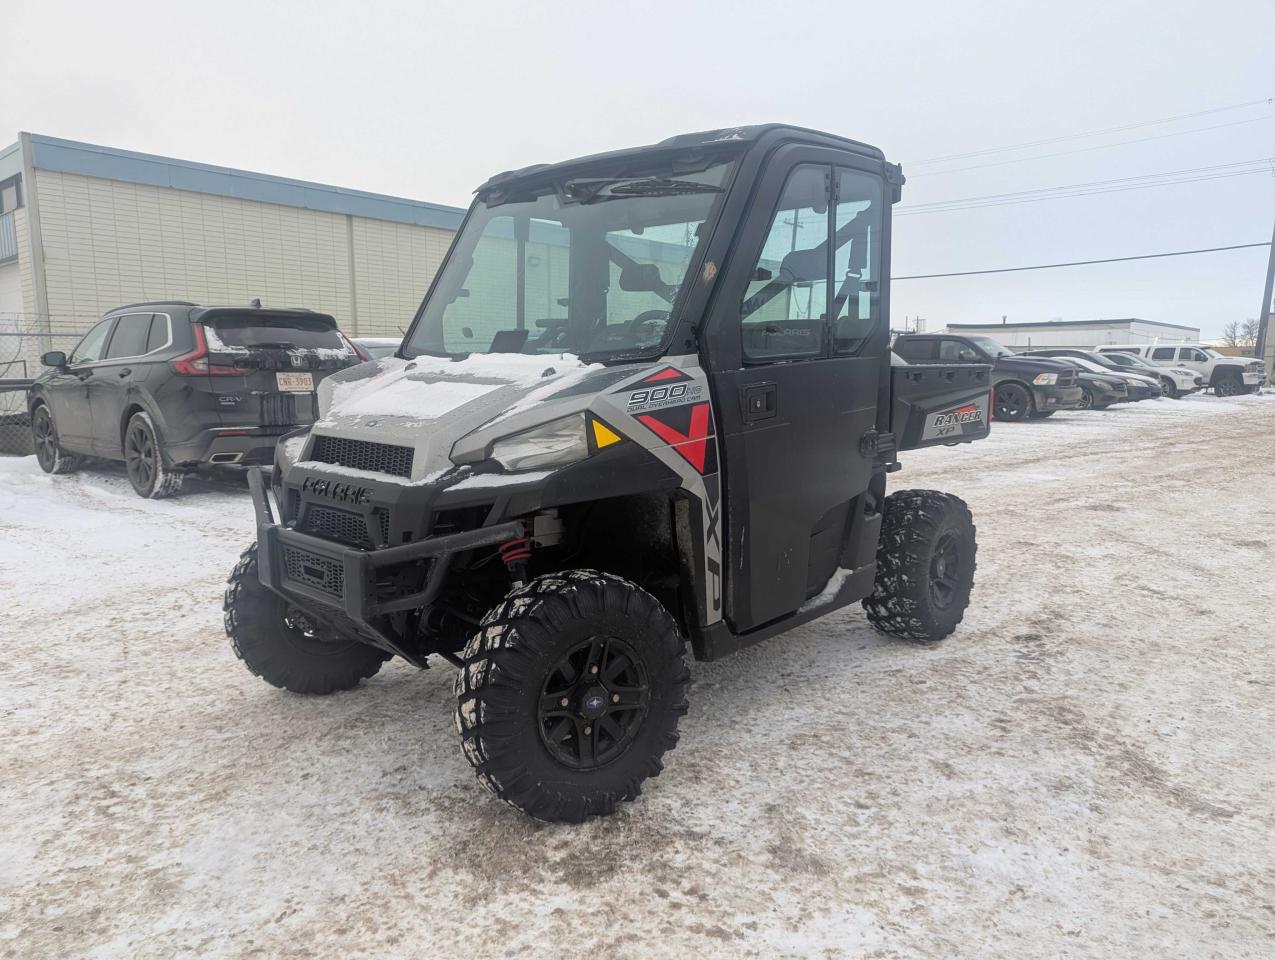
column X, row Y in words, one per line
column 10, row 194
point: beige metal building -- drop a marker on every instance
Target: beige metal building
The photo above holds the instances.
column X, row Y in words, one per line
column 84, row 229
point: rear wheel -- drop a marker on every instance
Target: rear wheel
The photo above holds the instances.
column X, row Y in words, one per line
column 48, row 450
column 571, row 694
column 925, row 566
column 148, row 470
column 285, row 648
column 1012, row 402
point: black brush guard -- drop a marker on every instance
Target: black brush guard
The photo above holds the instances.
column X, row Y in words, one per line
column 308, row 570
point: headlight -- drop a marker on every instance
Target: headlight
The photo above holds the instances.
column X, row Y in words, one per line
column 1045, row 379
column 550, row 444
column 1183, row 373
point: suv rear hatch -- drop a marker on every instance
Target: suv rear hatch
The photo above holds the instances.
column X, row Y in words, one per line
column 277, row 357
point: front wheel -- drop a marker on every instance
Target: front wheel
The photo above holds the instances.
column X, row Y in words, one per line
column 1169, row 388
column 571, row 694
column 1228, row 387
column 1013, row 402
column 925, row 566
column 48, row 450
column 284, row 647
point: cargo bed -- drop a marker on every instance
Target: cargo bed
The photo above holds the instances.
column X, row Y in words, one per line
column 939, row 403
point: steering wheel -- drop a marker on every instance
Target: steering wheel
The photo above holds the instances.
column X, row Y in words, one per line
column 633, row 327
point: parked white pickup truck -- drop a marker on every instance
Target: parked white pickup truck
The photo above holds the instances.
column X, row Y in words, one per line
column 1227, row 376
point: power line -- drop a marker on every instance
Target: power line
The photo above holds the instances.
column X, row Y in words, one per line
column 1219, row 171
column 1082, row 263
column 1094, row 133
column 1099, row 146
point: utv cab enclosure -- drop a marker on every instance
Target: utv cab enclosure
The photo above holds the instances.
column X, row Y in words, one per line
column 647, row 399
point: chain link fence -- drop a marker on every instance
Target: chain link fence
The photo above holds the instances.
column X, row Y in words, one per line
column 22, row 341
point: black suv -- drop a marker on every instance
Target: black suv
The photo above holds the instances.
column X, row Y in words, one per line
column 167, row 386
column 1023, row 386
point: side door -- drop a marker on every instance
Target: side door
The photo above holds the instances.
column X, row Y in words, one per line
column 801, row 352
column 68, row 389
column 113, row 378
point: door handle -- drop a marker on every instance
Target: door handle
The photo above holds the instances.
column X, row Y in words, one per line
column 126, row 371
column 760, row 402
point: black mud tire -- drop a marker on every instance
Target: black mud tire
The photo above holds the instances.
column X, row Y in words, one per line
column 281, row 647
column 1228, row 385
column 1012, row 402
column 925, row 566
column 48, row 449
column 149, row 470
column 513, row 729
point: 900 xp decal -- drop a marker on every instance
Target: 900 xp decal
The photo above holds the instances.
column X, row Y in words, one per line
column 664, row 388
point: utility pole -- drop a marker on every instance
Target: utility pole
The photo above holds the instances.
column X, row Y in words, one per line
column 1264, row 316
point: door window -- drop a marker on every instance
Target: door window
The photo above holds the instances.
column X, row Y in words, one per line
column 915, row 351
column 856, row 268
column 91, row 347
column 1162, row 353
column 953, row 351
column 786, row 301
column 1196, row 356
column 129, row 338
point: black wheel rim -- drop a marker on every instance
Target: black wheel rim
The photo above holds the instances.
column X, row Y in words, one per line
column 945, row 570
column 139, row 456
column 592, row 703
column 1009, row 402
column 46, row 440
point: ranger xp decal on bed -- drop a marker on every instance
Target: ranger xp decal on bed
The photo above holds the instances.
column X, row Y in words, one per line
column 957, row 421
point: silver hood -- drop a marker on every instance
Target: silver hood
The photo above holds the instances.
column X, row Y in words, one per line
column 429, row 403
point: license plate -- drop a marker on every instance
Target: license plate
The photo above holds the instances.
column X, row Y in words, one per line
column 295, row 382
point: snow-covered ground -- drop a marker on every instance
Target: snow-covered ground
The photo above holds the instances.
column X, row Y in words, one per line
column 1084, row 769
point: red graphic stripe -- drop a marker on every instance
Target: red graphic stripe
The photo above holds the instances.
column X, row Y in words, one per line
column 668, row 373
column 693, row 445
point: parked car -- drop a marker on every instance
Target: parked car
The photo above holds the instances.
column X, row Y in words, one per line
column 1100, row 390
column 167, row 386
column 1023, row 387
column 377, row 347
column 1141, row 386
column 1227, row 376
column 1174, row 381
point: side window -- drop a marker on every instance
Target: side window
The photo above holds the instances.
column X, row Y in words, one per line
column 786, row 301
column 953, row 351
column 158, row 335
column 856, row 268
column 1192, row 354
column 915, row 351
column 129, row 338
column 90, row 348
column 1162, row 353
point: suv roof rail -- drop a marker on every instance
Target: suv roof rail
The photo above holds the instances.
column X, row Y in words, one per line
column 154, row 303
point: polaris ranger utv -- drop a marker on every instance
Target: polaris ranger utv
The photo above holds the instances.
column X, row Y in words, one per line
column 647, row 399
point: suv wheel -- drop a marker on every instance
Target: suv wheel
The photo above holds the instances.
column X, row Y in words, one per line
column 148, row 470
column 571, row 694
column 48, row 451
column 1011, row 401
column 282, row 646
column 925, row 566
column 1170, row 388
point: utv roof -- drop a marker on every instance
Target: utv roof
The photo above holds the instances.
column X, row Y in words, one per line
column 707, row 139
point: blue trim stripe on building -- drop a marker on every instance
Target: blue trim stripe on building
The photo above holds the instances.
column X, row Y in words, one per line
column 90, row 160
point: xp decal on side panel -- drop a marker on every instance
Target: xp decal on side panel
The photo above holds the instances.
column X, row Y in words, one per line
column 648, row 400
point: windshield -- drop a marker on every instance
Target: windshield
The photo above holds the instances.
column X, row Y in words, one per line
column 590, row 265
column 1128, row 360
column 1089, row 365
column 991, row 347
column 1210, row 353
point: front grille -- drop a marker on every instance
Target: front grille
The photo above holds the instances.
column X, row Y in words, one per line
column 364, row 455
column 336, row 525
column 1067, row 378
column 314, row 571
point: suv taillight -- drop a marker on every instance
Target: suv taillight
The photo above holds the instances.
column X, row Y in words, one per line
column 195, row 363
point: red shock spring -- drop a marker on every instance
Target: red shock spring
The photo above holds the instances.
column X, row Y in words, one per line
column 515, row 553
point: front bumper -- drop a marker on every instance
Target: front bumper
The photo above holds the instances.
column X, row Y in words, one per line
column 339, row 581
column 1054, row 397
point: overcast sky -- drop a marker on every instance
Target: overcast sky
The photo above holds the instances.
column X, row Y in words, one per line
column 426, row 100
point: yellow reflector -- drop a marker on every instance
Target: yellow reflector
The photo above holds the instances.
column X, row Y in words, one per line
column 604, row 436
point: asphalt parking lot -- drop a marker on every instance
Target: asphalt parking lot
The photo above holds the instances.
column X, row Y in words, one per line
column 1083, row 770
